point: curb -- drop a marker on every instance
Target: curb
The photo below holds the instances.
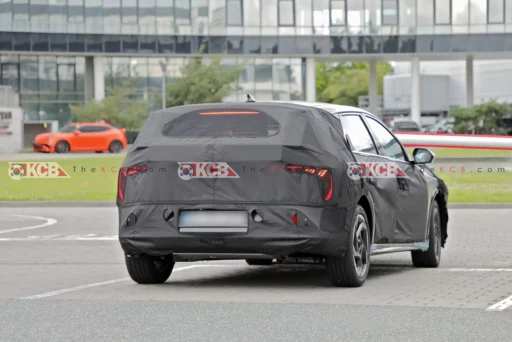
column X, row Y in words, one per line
column 106, row 204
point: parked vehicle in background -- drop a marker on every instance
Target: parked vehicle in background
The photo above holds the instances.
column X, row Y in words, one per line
column 82, row 137
column 406, row 126
column 443, row 126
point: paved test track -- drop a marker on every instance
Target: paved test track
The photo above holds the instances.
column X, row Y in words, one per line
column 62, row 277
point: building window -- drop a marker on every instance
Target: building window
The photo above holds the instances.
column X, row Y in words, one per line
column 76, row 11
column 338, row 13
column 389, row 12
column 129, row 11
column 496, row 11
column 182, row 12
column 234, row 12
column 443, row 12
column 508, row 12
column 21, row 10
column 286, row 12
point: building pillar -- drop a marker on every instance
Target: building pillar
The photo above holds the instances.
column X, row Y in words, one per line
column 310, row 80
column 470, row 95
column 89, row 79
column 416, row 91
column 373, row 91
column 99, row 78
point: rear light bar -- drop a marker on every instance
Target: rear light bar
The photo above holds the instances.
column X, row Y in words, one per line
column 124, row 172
column 324, row 176
column 230, row 113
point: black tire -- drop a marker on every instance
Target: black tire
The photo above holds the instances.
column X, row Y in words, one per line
column 342, row 270
column 145, row 269
column 432, row 257
column 115, row 146
column 62, row 147
column 259, row 262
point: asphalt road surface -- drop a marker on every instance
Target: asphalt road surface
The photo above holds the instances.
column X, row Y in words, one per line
column 63, row 278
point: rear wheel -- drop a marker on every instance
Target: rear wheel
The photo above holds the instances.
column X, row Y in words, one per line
column 259, row 262
column 145, row 269
column 115, row 146
column 432, row 257
column 62, row 147
column 351, row 270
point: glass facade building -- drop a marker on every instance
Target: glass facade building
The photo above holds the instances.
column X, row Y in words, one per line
column 61, row 52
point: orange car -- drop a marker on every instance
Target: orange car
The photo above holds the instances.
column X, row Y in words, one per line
column 82, row 137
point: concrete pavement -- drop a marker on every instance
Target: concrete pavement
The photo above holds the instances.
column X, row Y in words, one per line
column 62, row 277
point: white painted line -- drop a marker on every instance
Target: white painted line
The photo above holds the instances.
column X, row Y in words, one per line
column 71, row 289
column 63, row 238
column 54, row 293
column 476, row 269
column 500, row 306
column 49, row 222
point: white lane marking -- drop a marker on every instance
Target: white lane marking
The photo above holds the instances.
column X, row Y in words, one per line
column 500, row 306
column 59, row 237
column 54, row 293
column 476, row 269
column 49, row 222
column 71, row 289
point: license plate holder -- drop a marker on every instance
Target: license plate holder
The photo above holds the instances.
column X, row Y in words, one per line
column 213, row 221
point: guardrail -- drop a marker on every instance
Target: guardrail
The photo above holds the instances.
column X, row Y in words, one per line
column 441, row 140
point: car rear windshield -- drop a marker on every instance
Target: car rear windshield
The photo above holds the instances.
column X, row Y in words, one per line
column 223, row 123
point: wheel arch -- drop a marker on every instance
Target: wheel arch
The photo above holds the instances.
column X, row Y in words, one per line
column 366, row 202
column 441, row 200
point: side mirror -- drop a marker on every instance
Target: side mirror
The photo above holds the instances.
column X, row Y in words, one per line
column 423, row 156
column 77, row 132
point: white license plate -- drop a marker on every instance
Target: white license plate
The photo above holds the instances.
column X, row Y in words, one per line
column 213, row 221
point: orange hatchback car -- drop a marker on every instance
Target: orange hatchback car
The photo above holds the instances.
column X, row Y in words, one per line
column 82, row 137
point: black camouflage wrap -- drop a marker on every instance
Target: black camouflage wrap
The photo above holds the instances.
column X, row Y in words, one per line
column 308, row 137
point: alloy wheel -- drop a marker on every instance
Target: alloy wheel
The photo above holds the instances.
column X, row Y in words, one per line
column 361, row 245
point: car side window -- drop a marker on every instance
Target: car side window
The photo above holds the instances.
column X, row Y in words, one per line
column 86, row 129
column 389, row 145
column 360, row 138
column 100, row 129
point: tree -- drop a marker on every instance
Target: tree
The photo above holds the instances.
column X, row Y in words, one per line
column 344, row 83
column 480, row 119
column 120, row 108
column 202, row 82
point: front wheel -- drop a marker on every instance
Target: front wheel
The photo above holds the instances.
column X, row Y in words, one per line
column 431, row 258
column 62, row 147
column 145, row 269
column 351, row 270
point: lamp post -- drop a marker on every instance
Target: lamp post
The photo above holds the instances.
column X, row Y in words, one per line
column 163, row 66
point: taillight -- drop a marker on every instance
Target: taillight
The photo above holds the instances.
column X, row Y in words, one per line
column 121, row 183
column 134, row 169
column 123, row 175
column 322, row 174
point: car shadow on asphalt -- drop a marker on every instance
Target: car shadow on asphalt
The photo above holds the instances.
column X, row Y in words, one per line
column 279, row 275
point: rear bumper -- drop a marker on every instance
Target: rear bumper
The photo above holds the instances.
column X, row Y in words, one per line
column 321, row 231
